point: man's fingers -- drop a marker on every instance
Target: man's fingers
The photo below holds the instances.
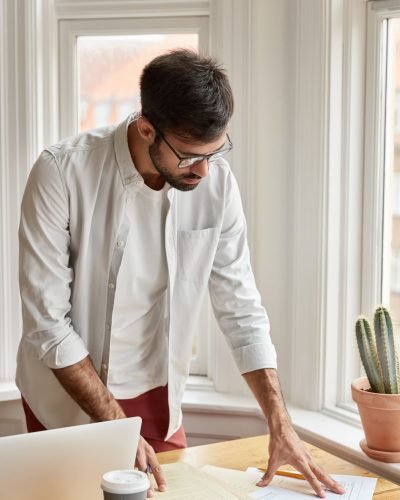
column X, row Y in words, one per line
column 158, row 474
column 327, row 480
column 141, row 461
column 269, row 475
column 314, row 481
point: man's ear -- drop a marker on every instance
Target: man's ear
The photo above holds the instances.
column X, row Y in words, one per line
column 146, row 130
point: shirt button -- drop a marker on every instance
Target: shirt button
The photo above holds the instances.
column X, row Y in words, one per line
column 108, row 326
column 138, row 182
column 128, row 200
column 104, row 367
column 111, row 286
column 120, row 243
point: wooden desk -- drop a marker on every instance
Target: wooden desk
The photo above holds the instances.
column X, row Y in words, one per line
column 243, row 453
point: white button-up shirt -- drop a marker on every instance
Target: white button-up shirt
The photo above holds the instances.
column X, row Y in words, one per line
column 73, row 230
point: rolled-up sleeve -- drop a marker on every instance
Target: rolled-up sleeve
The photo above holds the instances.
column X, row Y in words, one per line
column 233, row 292
column 45, row 275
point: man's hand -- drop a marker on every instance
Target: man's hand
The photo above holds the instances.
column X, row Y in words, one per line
column 84, row 385
column 145, row 456
column 286, row 448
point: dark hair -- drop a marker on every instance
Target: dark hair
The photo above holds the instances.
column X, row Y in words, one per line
column 187, row 94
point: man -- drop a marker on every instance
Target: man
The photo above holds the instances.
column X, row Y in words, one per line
column 122, row 231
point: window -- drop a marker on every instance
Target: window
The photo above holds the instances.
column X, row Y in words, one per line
column 363, row 216
column 103, row 59
column 365, row 191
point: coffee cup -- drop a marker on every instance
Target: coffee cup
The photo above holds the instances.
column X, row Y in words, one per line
column 125, row 485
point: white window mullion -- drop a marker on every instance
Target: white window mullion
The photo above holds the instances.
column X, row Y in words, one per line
column 344, row 366
column 374, row 161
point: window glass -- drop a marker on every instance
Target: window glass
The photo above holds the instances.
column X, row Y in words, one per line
column 391, row 240
column 109, row 71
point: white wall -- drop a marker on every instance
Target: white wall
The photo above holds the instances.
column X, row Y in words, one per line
column 273, row 89
column 267, row 173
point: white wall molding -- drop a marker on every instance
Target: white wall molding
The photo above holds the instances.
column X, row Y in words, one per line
column 5, row 297
column 309, row 200
column 385, row 7
column 27, row 105
column 74, row 9
column 269, row 166
column 13, row 169
column 41, row 75
column 34, row 102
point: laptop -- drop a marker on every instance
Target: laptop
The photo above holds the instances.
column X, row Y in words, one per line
column 67, row 463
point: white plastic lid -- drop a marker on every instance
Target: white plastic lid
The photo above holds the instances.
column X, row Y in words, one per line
column 125, row 481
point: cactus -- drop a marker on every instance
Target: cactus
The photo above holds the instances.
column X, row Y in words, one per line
column 378, row 352
column 369, row 356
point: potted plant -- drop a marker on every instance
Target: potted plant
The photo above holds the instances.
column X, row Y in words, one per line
column 378, row 394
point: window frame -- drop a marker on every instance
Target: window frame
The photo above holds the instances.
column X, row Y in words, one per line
column 353, row 273
column 70, row 30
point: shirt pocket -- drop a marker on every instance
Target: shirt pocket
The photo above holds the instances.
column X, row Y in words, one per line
column 196, row 252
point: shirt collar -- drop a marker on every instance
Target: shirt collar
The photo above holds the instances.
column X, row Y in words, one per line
column 126, row 166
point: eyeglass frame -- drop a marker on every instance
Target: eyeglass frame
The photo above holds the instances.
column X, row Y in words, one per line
column 197, row 158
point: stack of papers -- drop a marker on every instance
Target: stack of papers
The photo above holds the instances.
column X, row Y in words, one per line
column 187, row 482
column 216, row 483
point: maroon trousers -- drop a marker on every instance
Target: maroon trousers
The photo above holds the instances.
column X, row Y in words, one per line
column 152, row 407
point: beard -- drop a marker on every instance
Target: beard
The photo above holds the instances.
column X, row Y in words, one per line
column 175, row 181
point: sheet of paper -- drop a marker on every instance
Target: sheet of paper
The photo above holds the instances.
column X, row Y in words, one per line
column 357, row 487
column 238, row 481
column 186, row 482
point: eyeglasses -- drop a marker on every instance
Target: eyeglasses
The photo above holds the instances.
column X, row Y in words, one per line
column 189, row 161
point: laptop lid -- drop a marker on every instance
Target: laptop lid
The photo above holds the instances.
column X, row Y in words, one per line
column 67, row 463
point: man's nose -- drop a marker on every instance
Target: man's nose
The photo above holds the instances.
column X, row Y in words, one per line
column 201, row 168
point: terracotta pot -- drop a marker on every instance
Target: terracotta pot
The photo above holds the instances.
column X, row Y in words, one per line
column 380, row 417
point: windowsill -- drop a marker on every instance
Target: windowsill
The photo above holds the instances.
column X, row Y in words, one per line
column 339, row 435
column 9, row 392
column 317, row 428
column 201, row 397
